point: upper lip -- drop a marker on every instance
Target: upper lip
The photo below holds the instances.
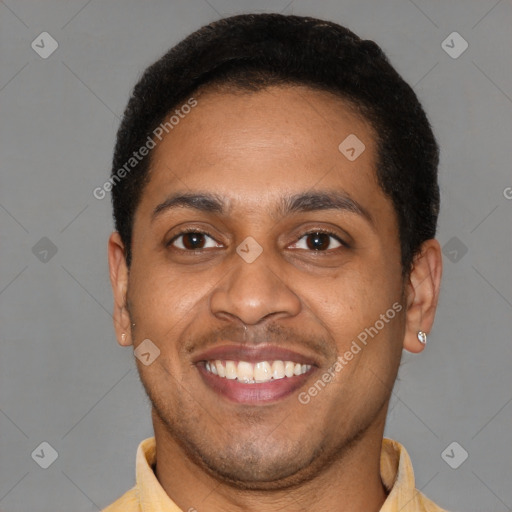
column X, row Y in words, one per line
column 253, row 354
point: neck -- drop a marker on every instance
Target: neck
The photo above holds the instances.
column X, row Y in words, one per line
column 350, row 483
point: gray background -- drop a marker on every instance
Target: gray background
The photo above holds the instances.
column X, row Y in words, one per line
column 64, row 379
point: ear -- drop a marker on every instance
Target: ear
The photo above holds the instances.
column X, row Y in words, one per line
column 119, row 282
column 422, row 293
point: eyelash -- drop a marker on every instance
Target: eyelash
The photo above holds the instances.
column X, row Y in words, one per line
column 185, row 232
column 343, row 244
column 312, row 232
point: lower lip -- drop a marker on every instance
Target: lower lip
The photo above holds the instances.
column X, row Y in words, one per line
column 242, row 393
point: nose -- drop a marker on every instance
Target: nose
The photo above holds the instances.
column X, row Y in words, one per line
column 254, row 291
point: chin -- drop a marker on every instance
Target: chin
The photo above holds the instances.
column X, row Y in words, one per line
column 255, row 471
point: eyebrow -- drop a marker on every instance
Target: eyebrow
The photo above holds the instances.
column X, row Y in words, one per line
column 298, row 203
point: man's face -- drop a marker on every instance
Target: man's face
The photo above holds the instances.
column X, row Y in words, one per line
column 325, row 274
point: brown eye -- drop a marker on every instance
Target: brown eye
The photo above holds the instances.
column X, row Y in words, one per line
column 193, row 241
column 318, row 241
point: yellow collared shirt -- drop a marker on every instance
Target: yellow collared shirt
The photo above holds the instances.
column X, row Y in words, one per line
column 395, row 466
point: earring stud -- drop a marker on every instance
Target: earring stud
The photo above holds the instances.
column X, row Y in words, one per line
column 422, row 337
column 123, row 336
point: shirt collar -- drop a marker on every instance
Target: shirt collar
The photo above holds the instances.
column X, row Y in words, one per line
column 152, row 497
column 395, row 466
column 397, row 476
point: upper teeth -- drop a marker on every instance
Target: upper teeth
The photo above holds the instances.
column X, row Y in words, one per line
column 263, row 371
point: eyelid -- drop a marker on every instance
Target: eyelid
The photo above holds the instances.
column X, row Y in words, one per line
column 184, row 231
column 323, row 231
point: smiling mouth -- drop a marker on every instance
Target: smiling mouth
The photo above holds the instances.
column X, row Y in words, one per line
column 254, row 383
column 255, row 373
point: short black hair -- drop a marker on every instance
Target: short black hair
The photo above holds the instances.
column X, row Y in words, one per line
column 254, row 51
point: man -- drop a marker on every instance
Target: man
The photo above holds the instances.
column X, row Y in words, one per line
column 275, row 198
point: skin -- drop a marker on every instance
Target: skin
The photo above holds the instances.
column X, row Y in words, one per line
column 252, row 149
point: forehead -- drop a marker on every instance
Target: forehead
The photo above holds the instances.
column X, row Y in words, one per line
column 254, row 145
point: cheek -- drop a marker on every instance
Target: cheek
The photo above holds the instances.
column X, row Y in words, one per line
column 162, row 301
column 336, row 298
column 351, row 303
